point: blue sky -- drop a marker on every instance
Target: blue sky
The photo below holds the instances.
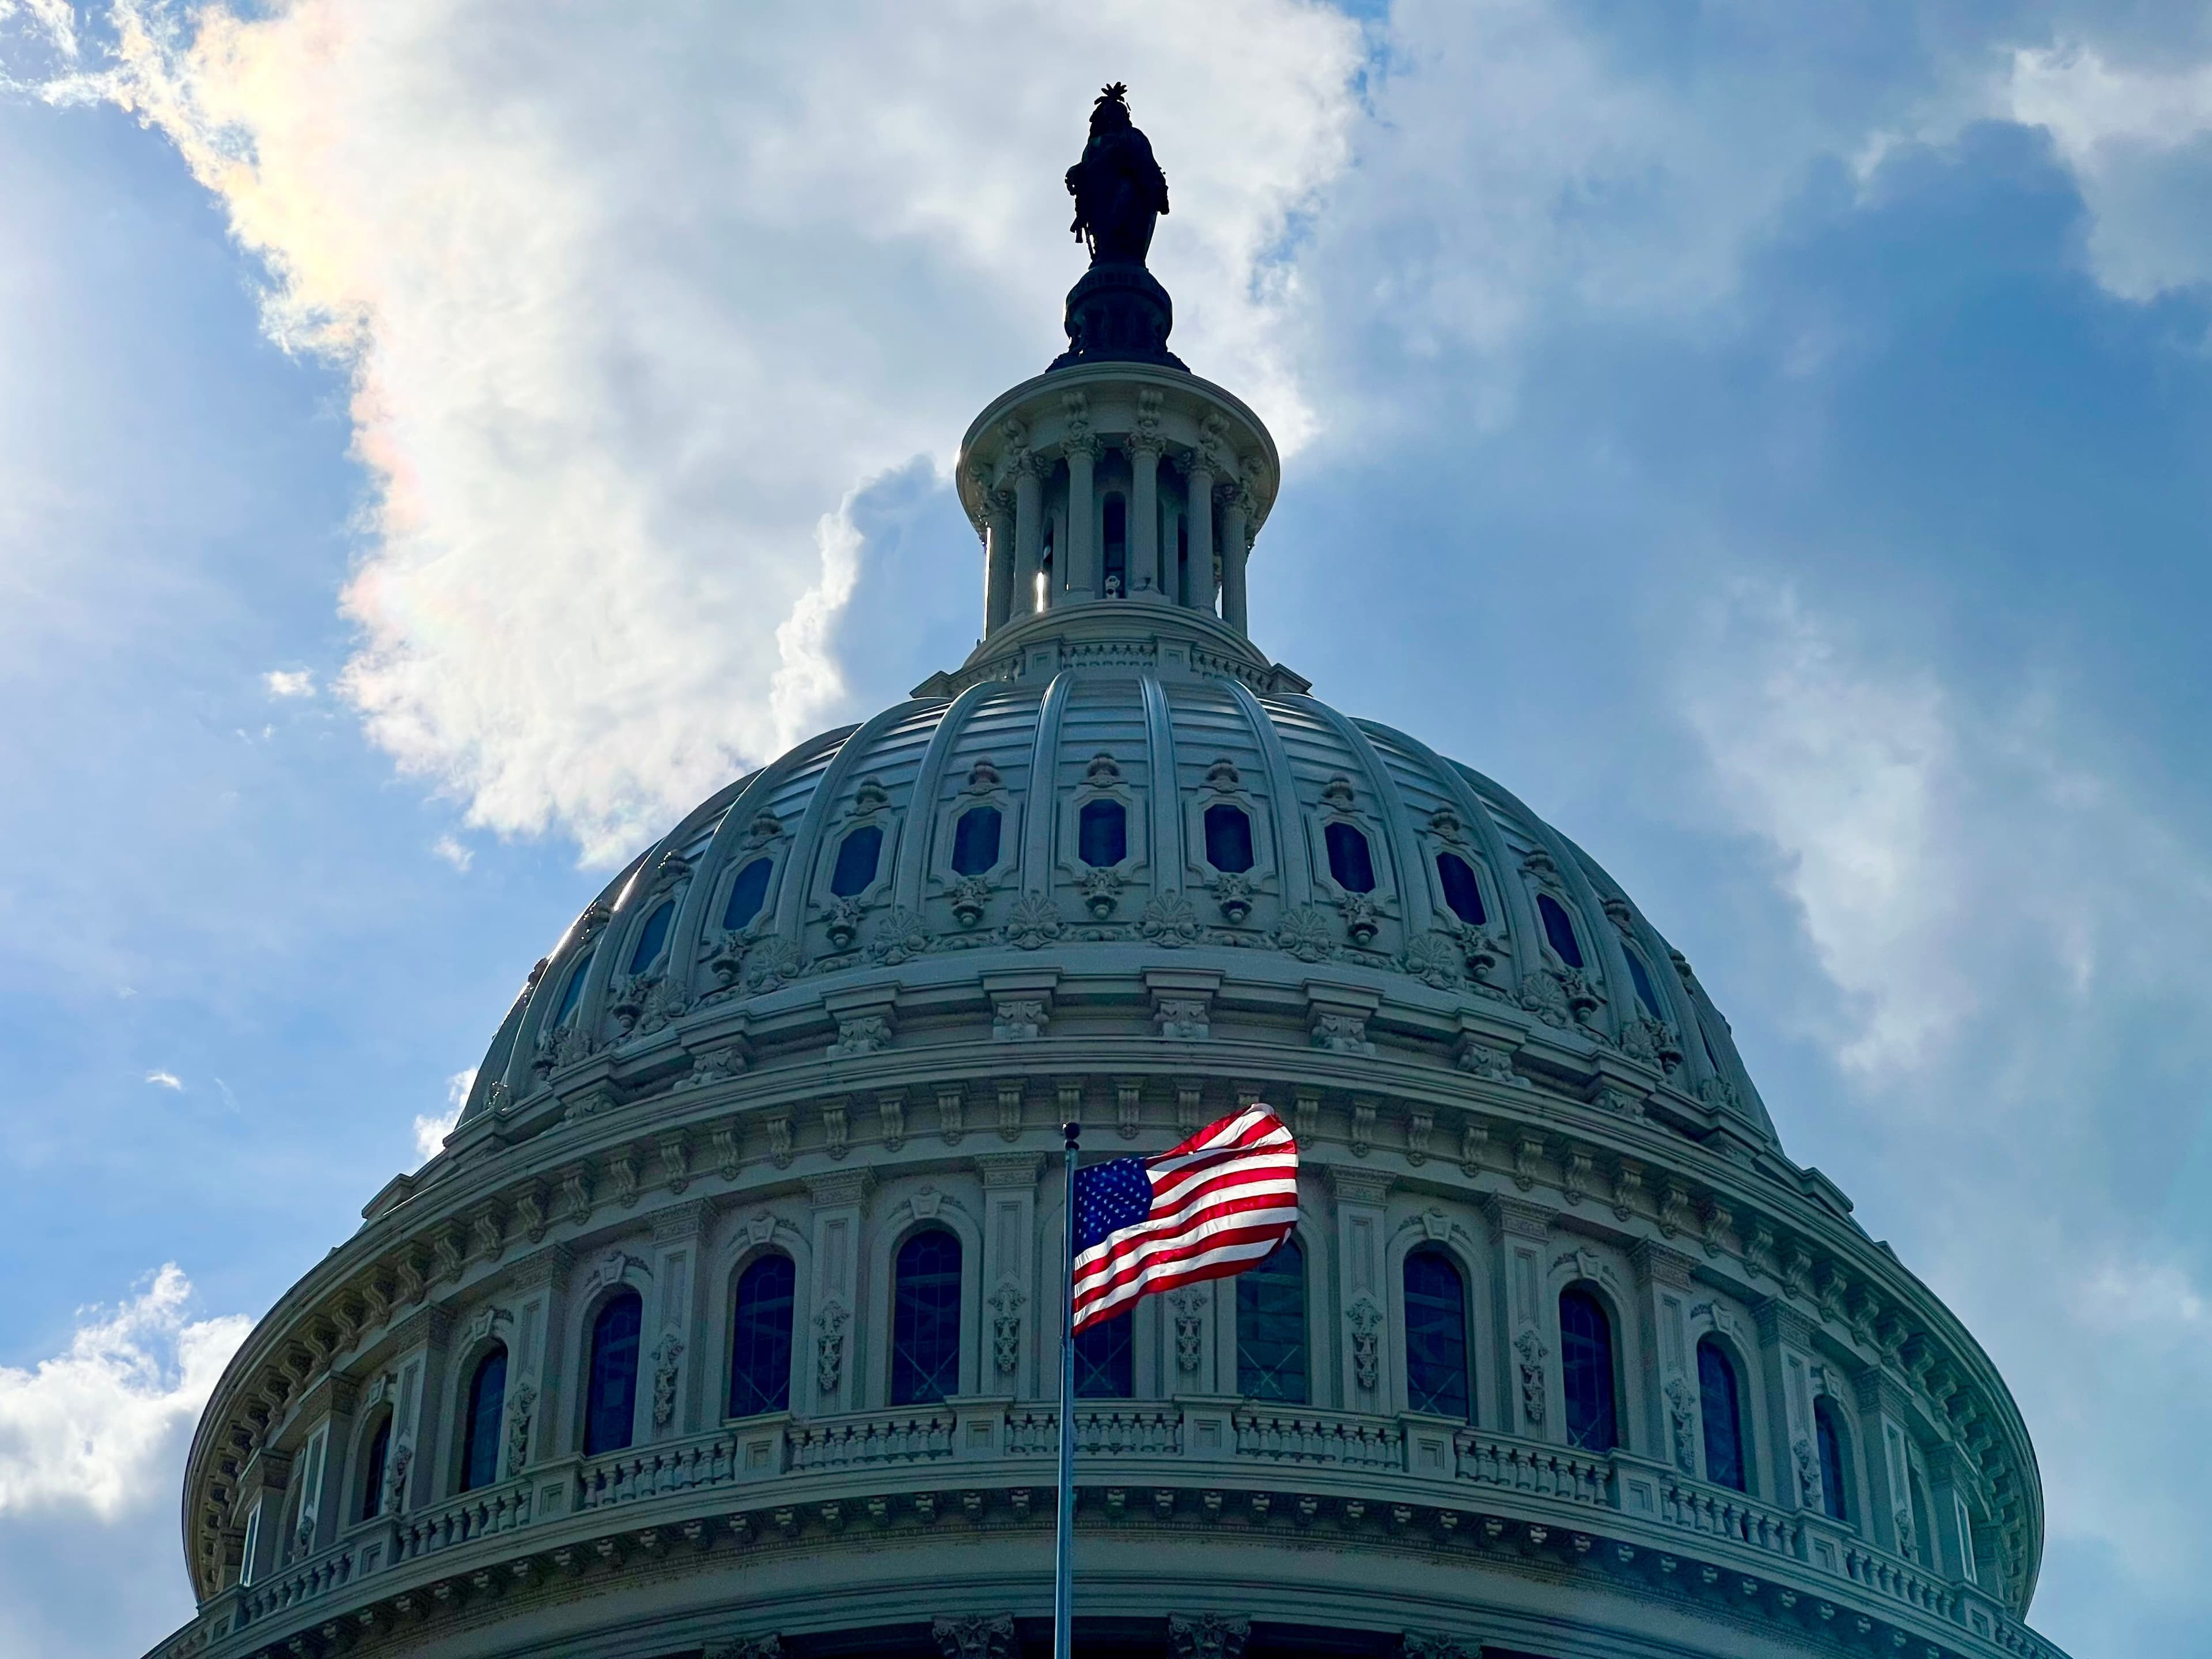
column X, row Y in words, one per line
column 437, row 444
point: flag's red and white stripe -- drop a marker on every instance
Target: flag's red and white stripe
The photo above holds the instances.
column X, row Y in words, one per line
column 1221, row 1200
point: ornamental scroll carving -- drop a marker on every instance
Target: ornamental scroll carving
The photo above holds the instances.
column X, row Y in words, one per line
column 1681, row 1420
column 1207, row 1635
column 1532, row 1352
column 830, row 1346
column 975, row 1636
column 521, row 1406
column 1365, row 1320
column 667, row 1360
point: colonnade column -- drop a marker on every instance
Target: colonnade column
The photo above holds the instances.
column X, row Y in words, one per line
column 1082, row 577
column 1029, row 533
column 1200, row 493
column 1234, row 516
column 998, row 560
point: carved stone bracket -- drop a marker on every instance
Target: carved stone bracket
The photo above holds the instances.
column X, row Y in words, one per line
column 975, row 1636
column 1207, row 1635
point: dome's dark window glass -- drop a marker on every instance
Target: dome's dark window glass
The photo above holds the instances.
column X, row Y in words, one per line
column 1102, row 833
column 1106, row 1360
column 480, row 1429
column 746, row 893
column 1586, row 1371
column 1640, row 976
column 653, row 938
column 1924, row 1538
column 1349, row 861
column 1462, row 891
column 573, row 992
column 1115, row 544
column 1559, row 932
column 610, row 1401
column 1721, row 1406
column 1228, row 839
column 926, row 1320
column 1271, row 1326
column 372, row 1473
column 1835, row 1496
column 975, row 840
column 760, row 1340
column 856, row 861
column 1435, row 1335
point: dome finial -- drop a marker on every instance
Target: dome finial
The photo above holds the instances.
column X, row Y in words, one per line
column 1118, row 312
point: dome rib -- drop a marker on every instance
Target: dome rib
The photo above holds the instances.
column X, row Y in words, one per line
column 1044, row 761
column 806, row 844
column 1418, row 908
column 1168, row 856
column 914, row 846
column 1282, row 787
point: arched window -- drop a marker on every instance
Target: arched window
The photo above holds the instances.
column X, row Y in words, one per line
column 760, row 1338
column 1720, row 1404
column 1102, row 833
column 856, row 861
column 1835, row 1496
column 1228, row 839
column 1640, row 976
column 1462, row 891
column 1349, row 861
column 1106, row 1360
column 1271, row 1326
column 373, row 1470
column 1115, row 545
column 573, row 991
column 652, row 936
column 1559, row 932
column 1586, row 1371
column 610, row 1401
column 926, row 1320
column 480, row 1430
column 746, row 893
column 1435, row 1335
column 975, row 840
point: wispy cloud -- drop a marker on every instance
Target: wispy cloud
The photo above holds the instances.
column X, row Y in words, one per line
column 432, row 1128
column 289, row 683
column 165, row 1079
column 455, row 851
column 95, row 1425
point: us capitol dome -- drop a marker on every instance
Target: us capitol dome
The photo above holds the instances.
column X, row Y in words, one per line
column 726, row 1322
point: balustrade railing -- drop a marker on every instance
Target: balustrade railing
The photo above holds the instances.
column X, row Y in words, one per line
column 1524, row 1465
column 1722, row 1512
column 302, row 1583
column 1291, row 1436
column 896, row 1437
column 466, row 1518
column 627, row 1477
column 1129, row 1432
column 1900, row 1580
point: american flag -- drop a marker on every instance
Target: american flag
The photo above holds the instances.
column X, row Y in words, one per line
column 1212, row 1207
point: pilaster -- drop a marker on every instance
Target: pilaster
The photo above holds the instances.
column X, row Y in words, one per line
column 836, row 1204
column 1361, row 1298
column 1520, row 1232
column 1670, row 1384
column 1017, row 1324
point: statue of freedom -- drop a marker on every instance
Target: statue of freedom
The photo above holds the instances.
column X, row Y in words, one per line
column 1119, row 189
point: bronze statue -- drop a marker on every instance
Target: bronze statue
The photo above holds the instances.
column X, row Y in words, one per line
column 1119, row 189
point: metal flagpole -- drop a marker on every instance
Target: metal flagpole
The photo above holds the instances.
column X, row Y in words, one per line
column 1063, row 1587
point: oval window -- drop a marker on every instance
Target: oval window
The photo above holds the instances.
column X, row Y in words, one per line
column 746, row 893
column 856, row 861
column 1228, row 840
column 1349, row 861
column 652, row 936
column 1103, row 833
column 1559, row 931
column 575, row 991
column 1640, row 977
column 975, row 840
column 1461, row 891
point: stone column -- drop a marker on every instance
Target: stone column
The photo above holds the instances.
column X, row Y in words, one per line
column 418, row 1444
column 1362, row 1298
column 1081, row 554
column 1521, row 1231
column 1018, row 1326
column 672, row 1395
column 836, row 1202
column 1883, row 1407
column 1145, row 515
column 1670, row 1383
column 1200, row 507
column 1786, row 1361
column 1029, row 534
column 1234, row 517
column 535, row 1372
column 999, row 561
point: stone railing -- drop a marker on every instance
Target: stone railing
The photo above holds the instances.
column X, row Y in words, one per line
column 1723, row 1512
column 1541, row 1471
column 298, row 1585
column 1134, row 1431
column 1289, row 1434
column 629, row 1477
column 914, row 1436
column 464, row 1520
column 1899, row 1580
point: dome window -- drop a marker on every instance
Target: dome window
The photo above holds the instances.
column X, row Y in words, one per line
column 574, row 992
column 1435, row 1335
column 1102, row 834
column 480, row 1432
column 371, row 1475
column 856, row 861
column 1720, row 1406
column 1271, row 1326
column 653, row 938
column 746, row 893
column 975, row 840
column 1559, row 932
column 1586, row 1371
column 1229, row 838
column 1835, row 1499
column 926, row 1320
column 1105, row 1360
column 1349, row 861
column 611, row 1399
column 760, row 1343
column 1462, row 891
column 1115, row 545
column 1640, row 977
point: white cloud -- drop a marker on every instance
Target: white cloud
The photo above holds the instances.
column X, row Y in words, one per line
column 432, row 1128
column 94, row 1425
column 289, row 683
column 455, row 852
column 610, row 373
column 165, row 1079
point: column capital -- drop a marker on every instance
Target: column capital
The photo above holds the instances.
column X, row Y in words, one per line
column 1349, row 1186
column 1778, row 1322
column 1514, row 1217
column 1656, row 1264
column 846, row 1187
